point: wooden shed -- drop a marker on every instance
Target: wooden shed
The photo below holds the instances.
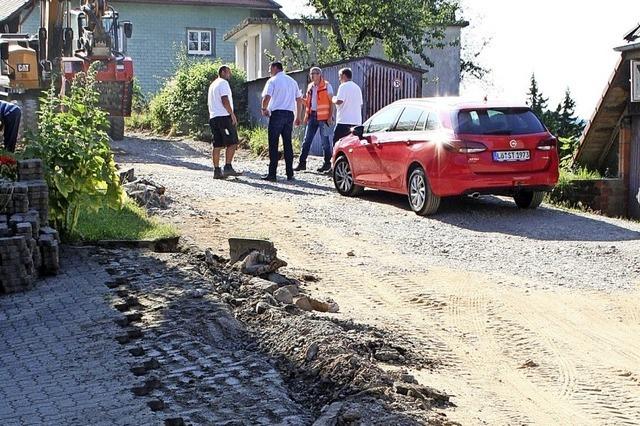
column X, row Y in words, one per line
column 611, row 140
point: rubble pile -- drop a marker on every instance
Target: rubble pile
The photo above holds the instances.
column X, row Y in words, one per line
column 28, row 246
column 332, row 364
column 145, row 192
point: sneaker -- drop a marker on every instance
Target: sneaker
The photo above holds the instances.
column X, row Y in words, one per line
column 291, row 178
column 300, row 167
column 228, row 171
column 325, row 168
column 217, row 173
column 269, row 178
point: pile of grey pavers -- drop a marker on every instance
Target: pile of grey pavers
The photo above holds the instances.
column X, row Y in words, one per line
column 29, row 247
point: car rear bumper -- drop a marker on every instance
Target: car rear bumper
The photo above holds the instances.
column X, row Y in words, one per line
column 496, row 184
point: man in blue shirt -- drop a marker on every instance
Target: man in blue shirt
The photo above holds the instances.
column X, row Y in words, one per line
column 10, row 122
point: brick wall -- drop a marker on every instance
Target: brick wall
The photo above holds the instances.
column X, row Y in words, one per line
column 608, row 196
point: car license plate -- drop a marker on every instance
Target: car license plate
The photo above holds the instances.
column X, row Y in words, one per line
column 511, row 155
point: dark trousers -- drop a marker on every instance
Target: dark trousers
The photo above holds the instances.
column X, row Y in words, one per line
column 11, row 122
column 280, row 124
column 313, row 125
column 341, row 131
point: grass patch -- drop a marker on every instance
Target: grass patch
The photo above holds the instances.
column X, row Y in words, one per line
column 563, row 194
column 256, row 139
column 130, row 223
column 566, row 176
column 139, row 121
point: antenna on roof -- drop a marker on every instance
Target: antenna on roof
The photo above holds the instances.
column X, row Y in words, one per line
column 486, row 98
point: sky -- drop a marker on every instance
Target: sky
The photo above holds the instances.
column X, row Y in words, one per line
column 566, row 43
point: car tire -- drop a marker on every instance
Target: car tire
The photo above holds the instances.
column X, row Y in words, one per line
column 528, row 199
column 116, row 128
column 343, row 178
column 421, row 199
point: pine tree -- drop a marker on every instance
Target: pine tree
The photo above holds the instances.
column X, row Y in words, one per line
column 569, row 126
column 536, row 101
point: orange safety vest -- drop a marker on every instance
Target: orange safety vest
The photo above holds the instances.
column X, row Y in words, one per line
column 324, row 102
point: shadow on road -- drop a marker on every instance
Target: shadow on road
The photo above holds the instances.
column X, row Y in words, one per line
column 167, row 153
column 496, row 215
column 295, row 187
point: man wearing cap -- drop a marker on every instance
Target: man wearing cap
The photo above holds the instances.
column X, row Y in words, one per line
column 282, row 103
column 349, row 105
column 319, row 116
column 10, row 115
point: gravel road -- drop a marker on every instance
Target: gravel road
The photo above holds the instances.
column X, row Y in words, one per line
column 527, row 317
column 546, row 248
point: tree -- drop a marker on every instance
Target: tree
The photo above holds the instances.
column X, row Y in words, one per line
column 536, row 101
column 569, row 126
column 562, row 121
column 403, row 28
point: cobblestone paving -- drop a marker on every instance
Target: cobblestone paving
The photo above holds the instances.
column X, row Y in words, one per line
column 133, row 338
column 59, row 362
column 205, row 366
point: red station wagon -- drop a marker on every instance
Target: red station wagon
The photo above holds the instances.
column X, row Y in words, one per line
column 439, row 147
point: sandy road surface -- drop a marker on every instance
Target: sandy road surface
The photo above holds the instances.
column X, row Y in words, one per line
column 533, row 317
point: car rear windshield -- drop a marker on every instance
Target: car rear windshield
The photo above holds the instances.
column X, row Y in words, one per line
column 498, row 121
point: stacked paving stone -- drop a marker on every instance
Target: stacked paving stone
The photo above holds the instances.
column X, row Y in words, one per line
column 28, row 246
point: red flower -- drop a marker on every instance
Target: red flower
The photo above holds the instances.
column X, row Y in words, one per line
column 9, row 161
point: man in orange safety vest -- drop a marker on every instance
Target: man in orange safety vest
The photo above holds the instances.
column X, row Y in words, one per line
column 318, row 117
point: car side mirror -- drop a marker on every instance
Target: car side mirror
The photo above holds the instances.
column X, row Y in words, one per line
column 128, row 29
column 358, row 131
column 4, row 51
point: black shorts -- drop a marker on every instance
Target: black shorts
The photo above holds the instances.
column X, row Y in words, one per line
column 224, row 132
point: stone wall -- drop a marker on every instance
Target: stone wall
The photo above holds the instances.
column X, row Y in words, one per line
column 607, row 196
column 28, row 246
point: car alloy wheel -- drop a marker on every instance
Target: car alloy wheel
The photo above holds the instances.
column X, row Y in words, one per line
column 422, row 200
column 343, row 178
column 417, row 191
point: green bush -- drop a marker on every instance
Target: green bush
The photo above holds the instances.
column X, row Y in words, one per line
column 139, row 100
column 73, row 144
column 181, row 104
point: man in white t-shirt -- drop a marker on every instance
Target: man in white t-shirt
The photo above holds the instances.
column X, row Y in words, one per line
column 349, row 105
column 282, row 103
column 223, row 122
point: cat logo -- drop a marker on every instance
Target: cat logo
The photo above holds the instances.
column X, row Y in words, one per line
column 24, row 67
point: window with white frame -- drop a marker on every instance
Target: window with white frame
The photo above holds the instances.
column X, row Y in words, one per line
column 200, row 41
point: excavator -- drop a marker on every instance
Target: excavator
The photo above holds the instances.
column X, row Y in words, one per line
column 69, row 40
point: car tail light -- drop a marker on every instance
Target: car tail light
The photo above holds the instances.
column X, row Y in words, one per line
column 465, row 147
column 548, row 144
